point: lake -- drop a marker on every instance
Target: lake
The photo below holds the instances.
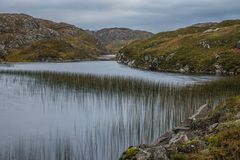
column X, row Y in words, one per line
column 73, row 115
column 110, row 68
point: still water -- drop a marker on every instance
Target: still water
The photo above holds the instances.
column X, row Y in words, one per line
column 110, row 68
column 61, row 123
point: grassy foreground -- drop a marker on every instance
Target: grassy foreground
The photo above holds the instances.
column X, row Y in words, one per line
column 205, row 48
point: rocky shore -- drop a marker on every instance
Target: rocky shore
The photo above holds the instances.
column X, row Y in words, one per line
column 211, row 133
column 153, row 64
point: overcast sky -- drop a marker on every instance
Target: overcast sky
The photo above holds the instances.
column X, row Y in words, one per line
column 151, row 15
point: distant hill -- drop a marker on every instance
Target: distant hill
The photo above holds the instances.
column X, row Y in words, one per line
column 115, row 38
column 200, row 48
column 25, row 38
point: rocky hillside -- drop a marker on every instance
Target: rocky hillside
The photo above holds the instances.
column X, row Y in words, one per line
column 25, row 38
column 207, row 135
column 201, row 48
column 115, row 38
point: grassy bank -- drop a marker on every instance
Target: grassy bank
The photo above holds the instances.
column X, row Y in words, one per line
column 209, row 48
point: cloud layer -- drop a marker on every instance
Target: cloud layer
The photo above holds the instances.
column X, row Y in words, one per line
column 152, row 15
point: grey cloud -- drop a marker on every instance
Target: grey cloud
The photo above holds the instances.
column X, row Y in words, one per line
column 152, row 15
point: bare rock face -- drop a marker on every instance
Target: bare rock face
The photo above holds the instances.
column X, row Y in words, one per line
column 18, row 30
column 12, row 23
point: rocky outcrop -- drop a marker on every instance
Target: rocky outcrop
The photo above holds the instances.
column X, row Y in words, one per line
column 198, row 137
column 211, row 30
column 18, row 30
column 168, row 142
column 21, row 33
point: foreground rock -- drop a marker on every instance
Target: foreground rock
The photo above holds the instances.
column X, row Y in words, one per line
column 25, row 38
column 208, row 134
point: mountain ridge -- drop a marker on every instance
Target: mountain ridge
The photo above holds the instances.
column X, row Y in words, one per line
column 117, row 37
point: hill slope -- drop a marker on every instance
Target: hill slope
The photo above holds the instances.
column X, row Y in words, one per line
column 207, row 47
column 25, row 38
column 115, row 38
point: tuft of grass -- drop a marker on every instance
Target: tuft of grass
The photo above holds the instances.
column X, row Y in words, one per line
column 178, row 156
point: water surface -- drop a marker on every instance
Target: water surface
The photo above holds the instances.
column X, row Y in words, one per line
column 111, row 68
column 48, row 120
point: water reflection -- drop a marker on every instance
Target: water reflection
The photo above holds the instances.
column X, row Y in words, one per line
column 67, row 116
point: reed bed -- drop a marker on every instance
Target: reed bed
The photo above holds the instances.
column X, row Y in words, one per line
column 175, row 102
column 225, row 86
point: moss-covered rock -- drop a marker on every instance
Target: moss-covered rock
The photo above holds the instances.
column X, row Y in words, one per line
column 130, row 154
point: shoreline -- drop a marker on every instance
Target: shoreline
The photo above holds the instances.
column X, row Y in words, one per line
column 202, row 136
column 165, row 141
column 178, row 71
column 101, row 58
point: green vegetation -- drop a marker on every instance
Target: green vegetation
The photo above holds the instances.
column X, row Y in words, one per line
column 49, row 50
column 130, row 153
column 178, row 157
column 205, row 48
column 223, row 142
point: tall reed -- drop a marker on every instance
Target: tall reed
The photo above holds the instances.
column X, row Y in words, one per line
column 161, row 105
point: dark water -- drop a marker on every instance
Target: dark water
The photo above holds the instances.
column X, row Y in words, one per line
column 38, row 121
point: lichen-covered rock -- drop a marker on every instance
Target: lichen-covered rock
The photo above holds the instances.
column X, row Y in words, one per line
column 170, row 56
column 164, row 139
column 205, row 44
column 218, row 68
column 151, row 153
column 211, row 30
column 185, row 69
column 147, row 58
column 212, row 127
column 238, row 45
column 3, row 51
